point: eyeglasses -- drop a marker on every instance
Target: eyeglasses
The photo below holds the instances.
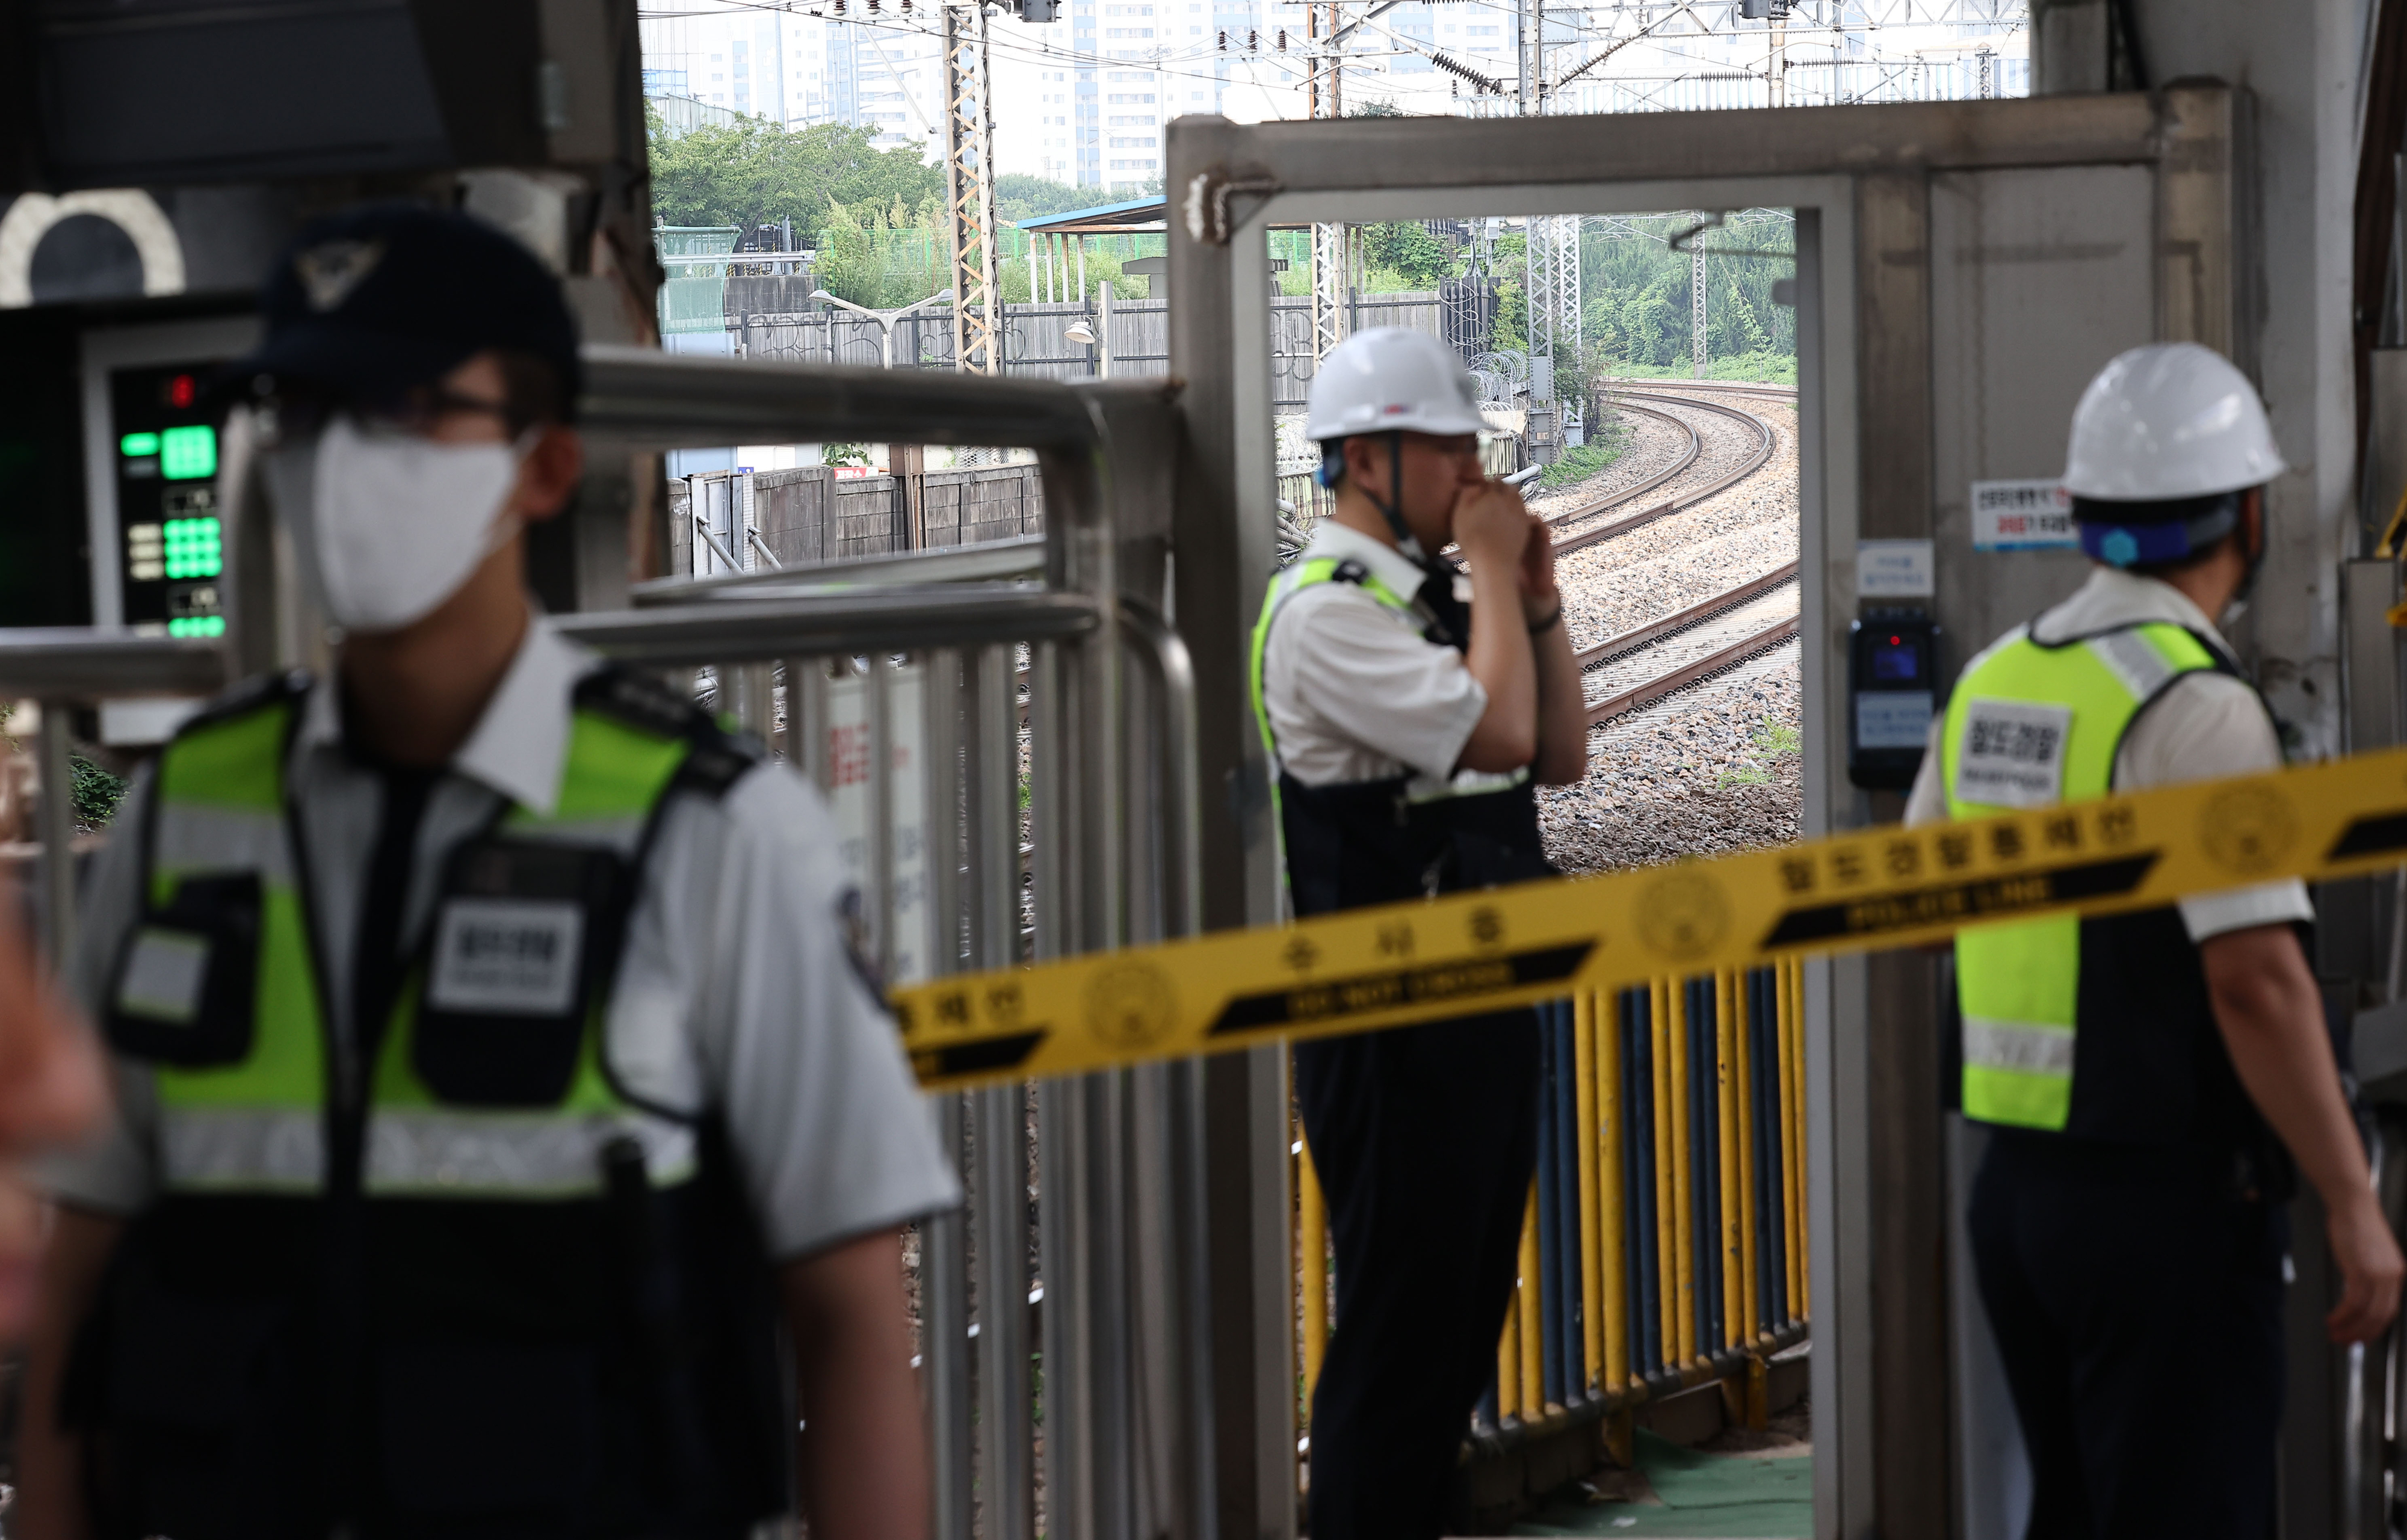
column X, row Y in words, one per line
column 416, row 412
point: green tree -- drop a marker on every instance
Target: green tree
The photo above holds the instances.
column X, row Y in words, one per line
column 1636, row 293
column 1019, row 196
column 1409, row 251
column 753, row 173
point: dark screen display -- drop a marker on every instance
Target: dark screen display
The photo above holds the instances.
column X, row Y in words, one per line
column 1896, row 663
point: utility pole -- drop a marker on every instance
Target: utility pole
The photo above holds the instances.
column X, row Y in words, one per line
column 1697, row 304
column 1568, row 352
column 1543, row 266
column 969, row 188
column 1324, row 86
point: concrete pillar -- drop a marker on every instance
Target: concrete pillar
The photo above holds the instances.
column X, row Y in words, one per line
column 2299, row 64
column 2067, row 46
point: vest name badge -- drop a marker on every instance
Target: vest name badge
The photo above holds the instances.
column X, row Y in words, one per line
column 2012, row 754
column 507, row 956
column 164, row 974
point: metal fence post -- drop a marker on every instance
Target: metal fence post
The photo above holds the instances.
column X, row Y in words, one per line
column 944, row 1344
column 58, row 821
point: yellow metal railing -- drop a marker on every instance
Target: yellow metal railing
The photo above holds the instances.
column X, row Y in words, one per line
column 1664, row 1240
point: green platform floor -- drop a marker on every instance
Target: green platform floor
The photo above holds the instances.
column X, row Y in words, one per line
column 1689, row 1492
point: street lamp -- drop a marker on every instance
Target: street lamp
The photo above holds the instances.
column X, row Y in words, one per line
column 884, row 319
column 1083, row 332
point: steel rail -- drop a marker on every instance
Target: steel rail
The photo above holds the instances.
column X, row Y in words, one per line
column 1685, row 499
column 987, row 561
column 666, row 401
column 83, row 663
column 1652, row 690
column 1654, row 630
column 1696, row 447
column 900, row 619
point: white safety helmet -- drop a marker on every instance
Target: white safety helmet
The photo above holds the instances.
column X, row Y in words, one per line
column 2166, row 422
column 1388, row 379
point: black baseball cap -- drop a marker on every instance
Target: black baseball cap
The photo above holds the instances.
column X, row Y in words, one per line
column 378, row 299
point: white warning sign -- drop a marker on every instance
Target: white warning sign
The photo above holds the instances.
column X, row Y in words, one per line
column 2022, row 516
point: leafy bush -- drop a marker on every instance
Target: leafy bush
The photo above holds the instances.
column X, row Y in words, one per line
column 1407, row 250
column 96, row 792
column 1583, row 460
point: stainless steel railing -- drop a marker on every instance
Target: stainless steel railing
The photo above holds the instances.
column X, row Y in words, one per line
column 1059, row 813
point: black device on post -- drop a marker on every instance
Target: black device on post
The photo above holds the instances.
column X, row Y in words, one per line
column 1893, row 690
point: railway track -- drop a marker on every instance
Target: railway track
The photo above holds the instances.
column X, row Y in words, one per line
column 1766, row 441
column 1735, row 387
column 1623, row 644
column 1632, row 493
column 1647, row 691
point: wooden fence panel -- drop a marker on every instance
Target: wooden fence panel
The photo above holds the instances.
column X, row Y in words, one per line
column 789, row 508
column 808, row 515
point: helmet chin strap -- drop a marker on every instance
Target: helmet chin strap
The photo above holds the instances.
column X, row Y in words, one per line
column 2239, row 604
column 1393, row 507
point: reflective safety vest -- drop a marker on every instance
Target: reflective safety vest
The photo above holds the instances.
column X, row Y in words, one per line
column 1379, row 842
column 451, row 1274
column 2030, row 724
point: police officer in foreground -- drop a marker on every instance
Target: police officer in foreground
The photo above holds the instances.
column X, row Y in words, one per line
column 494, row 1088
column 1409, row 712
column 2149, row 1077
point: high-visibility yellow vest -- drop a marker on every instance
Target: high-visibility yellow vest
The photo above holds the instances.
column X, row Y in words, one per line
column 2030, row 724
column 453, row 1275
column 1402, row 837
column 257, row 1123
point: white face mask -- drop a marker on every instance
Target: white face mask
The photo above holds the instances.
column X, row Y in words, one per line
column 389, row 525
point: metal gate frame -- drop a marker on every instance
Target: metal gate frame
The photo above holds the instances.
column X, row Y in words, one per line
column 1859, row 178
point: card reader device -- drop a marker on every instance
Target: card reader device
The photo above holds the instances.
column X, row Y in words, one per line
column 1893, row 690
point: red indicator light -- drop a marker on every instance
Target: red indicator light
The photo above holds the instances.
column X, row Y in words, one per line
column 182, row 390
column 1894, row 641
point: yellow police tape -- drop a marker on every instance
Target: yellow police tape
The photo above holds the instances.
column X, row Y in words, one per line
column 1483, row 951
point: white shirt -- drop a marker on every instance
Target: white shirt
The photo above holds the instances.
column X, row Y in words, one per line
column 2204, row 727
column 1354, row 692
column 734, row 991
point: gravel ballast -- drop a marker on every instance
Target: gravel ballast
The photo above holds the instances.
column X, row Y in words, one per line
column 1716, row 767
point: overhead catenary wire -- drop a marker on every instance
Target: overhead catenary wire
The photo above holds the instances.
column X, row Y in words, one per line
column 1178, row 62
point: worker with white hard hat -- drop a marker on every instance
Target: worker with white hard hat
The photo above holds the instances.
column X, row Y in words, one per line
column 2150, row 1082
column 1408, row 711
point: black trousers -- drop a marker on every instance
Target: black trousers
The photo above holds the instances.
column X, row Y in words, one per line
column 1424, row 1139
column 2138, row 1307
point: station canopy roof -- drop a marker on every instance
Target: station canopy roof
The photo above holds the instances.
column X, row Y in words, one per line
column 1138, row 215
